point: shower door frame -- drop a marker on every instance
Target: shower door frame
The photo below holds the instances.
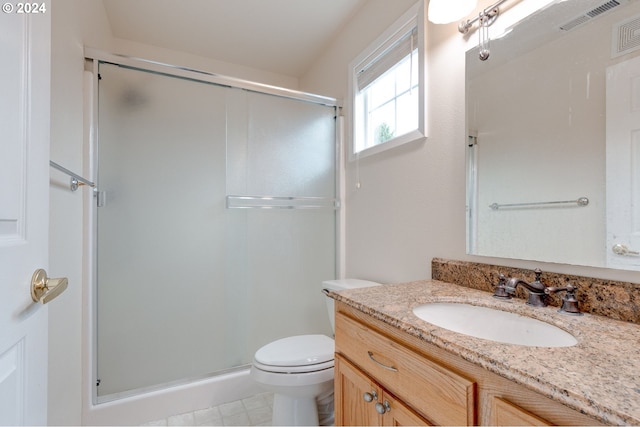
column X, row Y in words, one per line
column 93, row 58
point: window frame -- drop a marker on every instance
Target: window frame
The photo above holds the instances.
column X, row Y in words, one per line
column 415, row 17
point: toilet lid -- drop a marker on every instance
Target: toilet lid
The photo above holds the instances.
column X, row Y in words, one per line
column 300, row 350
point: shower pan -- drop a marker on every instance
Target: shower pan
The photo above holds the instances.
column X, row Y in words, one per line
column 216, row 221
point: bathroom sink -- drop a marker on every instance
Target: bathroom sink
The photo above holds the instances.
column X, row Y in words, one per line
column 494, row 325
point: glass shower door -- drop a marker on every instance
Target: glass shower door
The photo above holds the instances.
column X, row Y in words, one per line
column 281, row 188
column 190, row 280
column 161, row 240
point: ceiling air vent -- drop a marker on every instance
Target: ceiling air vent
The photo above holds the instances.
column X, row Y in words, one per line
column 626, row 37
column 603, row 8
column 589, row 15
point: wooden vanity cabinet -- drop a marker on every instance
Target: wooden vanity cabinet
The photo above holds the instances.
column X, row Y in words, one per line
column 424, row 384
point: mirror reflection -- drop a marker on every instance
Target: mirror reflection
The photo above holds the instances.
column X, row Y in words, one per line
column 553, row 149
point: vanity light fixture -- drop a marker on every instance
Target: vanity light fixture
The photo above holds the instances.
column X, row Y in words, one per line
column 489, row 15
column 447, row 11
column 485, row 19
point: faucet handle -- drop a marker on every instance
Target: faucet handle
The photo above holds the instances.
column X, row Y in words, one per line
column 538, row 273
column 500, row 290
column 569, row 300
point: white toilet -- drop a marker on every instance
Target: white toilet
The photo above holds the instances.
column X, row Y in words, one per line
column 299, row 370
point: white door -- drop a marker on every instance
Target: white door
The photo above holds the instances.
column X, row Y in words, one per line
column 24, row 207
column 623, row 164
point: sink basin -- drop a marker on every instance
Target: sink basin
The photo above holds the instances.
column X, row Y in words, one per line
column 494, row 325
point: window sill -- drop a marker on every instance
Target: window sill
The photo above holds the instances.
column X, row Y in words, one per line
column 407, row 138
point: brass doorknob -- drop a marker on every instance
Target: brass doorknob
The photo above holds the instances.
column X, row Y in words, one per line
column 44, row 289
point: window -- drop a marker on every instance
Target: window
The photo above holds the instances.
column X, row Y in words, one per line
column 387, row 87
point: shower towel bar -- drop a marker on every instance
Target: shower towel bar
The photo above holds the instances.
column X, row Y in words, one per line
column 279, row 202
column 582, row 201
column 76, row 180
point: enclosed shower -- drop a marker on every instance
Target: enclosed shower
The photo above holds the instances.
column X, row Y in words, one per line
column 215, row 224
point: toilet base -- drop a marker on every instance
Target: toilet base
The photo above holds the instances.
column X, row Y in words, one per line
column 292, row 411
column 295, row 396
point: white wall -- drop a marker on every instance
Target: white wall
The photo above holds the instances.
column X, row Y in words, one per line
column 411, row 199
column 138, row 50
column 411, row 204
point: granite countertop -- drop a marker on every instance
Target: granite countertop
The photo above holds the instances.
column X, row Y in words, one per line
column 599, row 376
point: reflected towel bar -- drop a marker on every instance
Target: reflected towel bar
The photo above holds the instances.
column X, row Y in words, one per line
column 582, row 201
column 279, row 202
column 76, row 180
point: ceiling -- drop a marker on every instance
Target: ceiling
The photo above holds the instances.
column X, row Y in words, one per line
column 279, row 36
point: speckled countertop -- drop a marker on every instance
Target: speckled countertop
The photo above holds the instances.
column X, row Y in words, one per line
column 599, row 376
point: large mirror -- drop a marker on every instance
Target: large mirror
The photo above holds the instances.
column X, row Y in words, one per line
column 553, row 149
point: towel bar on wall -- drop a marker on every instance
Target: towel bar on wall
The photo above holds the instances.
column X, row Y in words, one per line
column 76, row 180
column 582, row 201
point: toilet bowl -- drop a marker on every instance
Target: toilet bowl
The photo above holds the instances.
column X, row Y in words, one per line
column 299, row 370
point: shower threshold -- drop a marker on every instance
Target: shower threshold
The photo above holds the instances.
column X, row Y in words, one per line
column 164, row 386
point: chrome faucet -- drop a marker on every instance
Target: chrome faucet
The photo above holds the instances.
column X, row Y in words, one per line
column 536, row 289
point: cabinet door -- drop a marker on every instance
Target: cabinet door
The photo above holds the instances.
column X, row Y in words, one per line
column 351, row 407
column 399, row 414
column 505, row 413
column 360, row 401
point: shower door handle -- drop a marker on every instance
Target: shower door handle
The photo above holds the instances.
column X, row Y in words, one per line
column 101, row 197
column 44, row 289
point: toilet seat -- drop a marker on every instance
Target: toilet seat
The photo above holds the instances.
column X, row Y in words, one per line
column 297, row 354
column 293, row 369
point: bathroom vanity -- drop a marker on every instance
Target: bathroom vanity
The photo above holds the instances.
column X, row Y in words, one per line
column 393, row 368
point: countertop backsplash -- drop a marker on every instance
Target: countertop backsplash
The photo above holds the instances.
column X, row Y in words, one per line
column 616, row 300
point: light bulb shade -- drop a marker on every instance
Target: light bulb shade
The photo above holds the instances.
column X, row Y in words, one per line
column 447, row 11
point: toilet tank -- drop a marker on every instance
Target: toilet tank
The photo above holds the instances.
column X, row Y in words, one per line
column 339, row 285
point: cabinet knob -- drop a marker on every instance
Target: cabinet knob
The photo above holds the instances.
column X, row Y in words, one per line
column 370, row 397
column 382, row 408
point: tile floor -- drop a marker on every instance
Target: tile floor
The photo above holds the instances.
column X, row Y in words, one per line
column 252, row 411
